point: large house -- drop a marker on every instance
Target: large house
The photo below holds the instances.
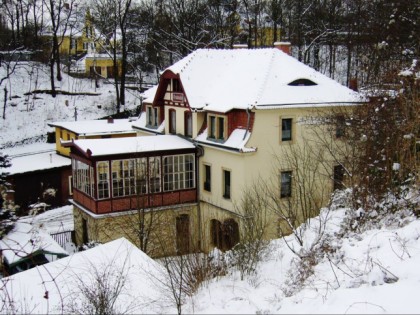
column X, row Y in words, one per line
column 219, row 122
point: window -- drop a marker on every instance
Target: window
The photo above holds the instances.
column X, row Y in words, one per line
column 226, row 184
column 72, row 43
column 188, row 123
column 82, row 178
column 286, row 129
column 220, row 128
column 102, row 169
column 176, row 86
column 178, row 172
column 123, row 178
column 338, row 177
column 212, row 127
column 172, row 121
column 302, row 82
column 141, row 175
column 286, row 184
column 152, row 117
column 154, row 174
column 217, row 127
column 340, row 127
column 207, row 177
column 70, row 185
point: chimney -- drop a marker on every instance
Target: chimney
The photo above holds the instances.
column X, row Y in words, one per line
column 353, row 84
column 110, row 120
column 240, row 46
column 283, row 46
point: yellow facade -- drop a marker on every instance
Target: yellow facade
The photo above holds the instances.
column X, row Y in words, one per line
column 163, row 237
column 62, row 134
column 103, row 66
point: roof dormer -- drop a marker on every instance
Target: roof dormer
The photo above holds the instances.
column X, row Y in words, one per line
column 302, row 82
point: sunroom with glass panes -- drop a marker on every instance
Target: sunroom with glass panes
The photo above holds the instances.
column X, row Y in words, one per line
column 111, row 175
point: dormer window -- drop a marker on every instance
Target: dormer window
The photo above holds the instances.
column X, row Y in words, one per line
column 217, row 127
column 152, row 118
column 302, row 82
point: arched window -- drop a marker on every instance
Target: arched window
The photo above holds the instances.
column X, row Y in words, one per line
column 230, row 234
column 172, row 121
column 216, row 233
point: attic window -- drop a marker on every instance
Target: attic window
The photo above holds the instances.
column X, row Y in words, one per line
column 302, row 82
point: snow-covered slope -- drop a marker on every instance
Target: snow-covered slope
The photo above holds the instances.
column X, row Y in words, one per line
column 27, row 115
column 374, row 271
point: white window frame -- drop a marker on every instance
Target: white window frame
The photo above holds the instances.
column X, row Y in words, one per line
column 214, row 131
column 103, row 181
column 178, row 172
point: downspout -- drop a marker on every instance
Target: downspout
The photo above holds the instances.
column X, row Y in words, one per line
column 247, row 124
column 197, row 165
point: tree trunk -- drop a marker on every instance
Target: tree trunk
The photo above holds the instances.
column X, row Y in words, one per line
column 5, row 103
column 52, row 62
column 56, row 53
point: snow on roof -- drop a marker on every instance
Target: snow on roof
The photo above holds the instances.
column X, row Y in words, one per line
column 25, row 240
column 223, row 79
column 149, row 94
column 34, row 157
column 99, row 147
column 52, row 221
column 61, row 280
column 92, row 127
column 236, row 141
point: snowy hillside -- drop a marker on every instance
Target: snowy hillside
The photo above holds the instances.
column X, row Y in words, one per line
column 367, row 269
column 346, row 267
column 27, row 114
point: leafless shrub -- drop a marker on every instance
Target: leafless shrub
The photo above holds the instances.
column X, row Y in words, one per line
column 98, row 293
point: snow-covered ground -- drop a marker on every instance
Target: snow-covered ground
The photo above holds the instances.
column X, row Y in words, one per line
column 375, row 271
column 27, row 116
column 361, row 269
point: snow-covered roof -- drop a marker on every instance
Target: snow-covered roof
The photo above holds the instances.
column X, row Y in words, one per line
column 34, row 157
column 236, row 141
column 149, row 94
column 94, row 127
column 52, row 221
column 223, row 79
column 25, row 240
column 99, row 147
column 117, row 262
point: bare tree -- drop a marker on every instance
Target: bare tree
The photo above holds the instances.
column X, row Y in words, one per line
column 98, row 293
column 59, row 13
column 8, row 61
column 113, row 20
column 8, row 208
column 253, row 244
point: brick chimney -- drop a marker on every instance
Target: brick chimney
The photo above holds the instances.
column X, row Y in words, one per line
column 110, row 120
column 353, row 84
column 283, row 46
